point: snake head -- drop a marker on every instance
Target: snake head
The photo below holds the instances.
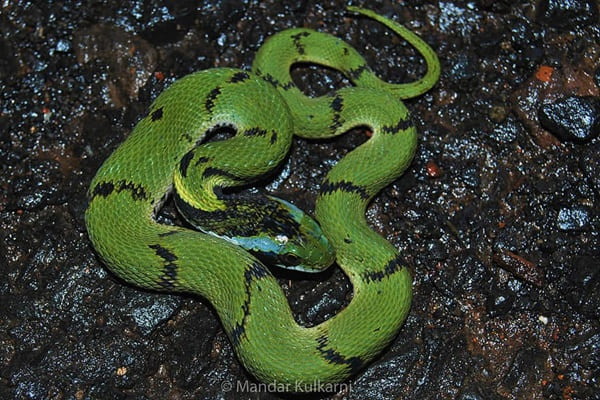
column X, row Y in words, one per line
column 289, row 238
column 307, row 249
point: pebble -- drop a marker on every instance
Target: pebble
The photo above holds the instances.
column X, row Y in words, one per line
column 573, row 218
column 573, row 118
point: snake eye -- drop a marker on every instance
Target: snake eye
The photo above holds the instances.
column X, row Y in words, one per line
column 281, row 239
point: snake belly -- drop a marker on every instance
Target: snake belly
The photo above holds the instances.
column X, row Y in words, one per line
column 133, row 182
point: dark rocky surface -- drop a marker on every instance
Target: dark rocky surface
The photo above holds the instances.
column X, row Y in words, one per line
column 497, row 217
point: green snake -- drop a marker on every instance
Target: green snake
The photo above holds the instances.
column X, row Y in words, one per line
column 165, row 156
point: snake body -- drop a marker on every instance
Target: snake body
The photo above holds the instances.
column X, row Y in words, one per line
column 265, row 108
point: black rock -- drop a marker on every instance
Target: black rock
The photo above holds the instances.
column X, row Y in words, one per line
column 573, row 218
column 573, row 118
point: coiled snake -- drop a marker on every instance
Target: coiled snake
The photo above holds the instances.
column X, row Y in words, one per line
column 265, row 108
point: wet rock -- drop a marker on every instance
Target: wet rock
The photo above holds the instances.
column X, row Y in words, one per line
column 149, row 313
column 42, row 175
column 488, row 41
column 470, row 177
column 8, row 63
column 506, row 132
column 168, row 24
column 585, row 281
column 574, row 118
column 521, row 34
column 590, row 165
column 502, row 6
column 573, row 218
column 526, row 101
column 464, row 69
column 326, row 298
column 567, row 13
column 437, row 250
column 499, row 305
column 528, row 365
column 130, row 59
